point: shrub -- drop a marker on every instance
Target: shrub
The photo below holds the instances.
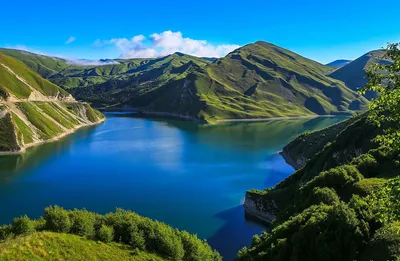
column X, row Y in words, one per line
column 137, row 238
column 196, row 249
column 366, row 164
column 166, row 242
column 105, row 233
column 22, row 225
column 57, row 219
column 5, row 232
column 385, row 245
column 82, row 222
column 336, row 178
column 324, row 195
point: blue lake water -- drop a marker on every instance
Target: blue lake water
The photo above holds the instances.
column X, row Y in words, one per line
column 189, row 175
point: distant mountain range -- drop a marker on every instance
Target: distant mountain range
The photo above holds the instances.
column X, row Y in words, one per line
column 338, row 63
column 259, row 80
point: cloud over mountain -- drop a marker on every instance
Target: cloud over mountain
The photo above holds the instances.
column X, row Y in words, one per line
column 167, row 42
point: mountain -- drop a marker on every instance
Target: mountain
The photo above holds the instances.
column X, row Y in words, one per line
column 344, row 190
column 338, row 63
column 34, row 110
column 256, row 81
column 353, row 74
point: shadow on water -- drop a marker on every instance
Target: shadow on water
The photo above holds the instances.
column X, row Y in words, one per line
column 236, row 233
column 33, row 157
column 262, row 134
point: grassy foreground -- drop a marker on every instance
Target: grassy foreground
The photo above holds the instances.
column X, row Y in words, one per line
column 82, row 235
column 57, row 246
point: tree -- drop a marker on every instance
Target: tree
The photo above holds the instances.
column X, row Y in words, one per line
column 384, row 78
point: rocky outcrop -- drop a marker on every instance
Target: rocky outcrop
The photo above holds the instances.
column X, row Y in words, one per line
column 257, row 207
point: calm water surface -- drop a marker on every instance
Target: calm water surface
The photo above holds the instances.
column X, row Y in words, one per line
column 191, row 176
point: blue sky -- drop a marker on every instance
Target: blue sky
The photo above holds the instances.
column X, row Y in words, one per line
column 321, row 30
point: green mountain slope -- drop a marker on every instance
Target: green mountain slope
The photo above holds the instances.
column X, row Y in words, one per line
column 336, row 206
column 255, row 81
column 34, row 110
column 353, row 73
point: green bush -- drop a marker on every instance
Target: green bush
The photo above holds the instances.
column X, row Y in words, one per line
column 166, row 242
column 324, row 195
column 196, row 249
column 5, row 232
column 336, row 178
column 22, row 225
column 57, row 219
column 385, row 245
column 105, row 233
column 137, row 238
column 82, row 222
column 366, row 164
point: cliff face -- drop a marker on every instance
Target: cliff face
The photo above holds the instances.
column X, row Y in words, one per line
column 33, row 110
column 257, row 207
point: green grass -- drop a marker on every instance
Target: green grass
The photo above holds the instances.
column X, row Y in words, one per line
column 53, row 110
column 56, row 246
column 8, row 141
column 47, row 128
column 10, row 84
column 24, row 130
column 35, row 80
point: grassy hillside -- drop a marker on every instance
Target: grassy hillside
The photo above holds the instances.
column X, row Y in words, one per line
column 57, row 246
column 340, row 201
column 34, row 110
column 82, row 235
column 353, row 74
column 255, row 81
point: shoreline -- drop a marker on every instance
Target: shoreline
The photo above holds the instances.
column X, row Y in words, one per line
column 55, row 138
column 168, row 115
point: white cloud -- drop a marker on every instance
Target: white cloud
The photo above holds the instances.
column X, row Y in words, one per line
column 165, row 43
column 70, row 40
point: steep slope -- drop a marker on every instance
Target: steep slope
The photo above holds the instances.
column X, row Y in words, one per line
column 255, row 81
column 340, row 201
column 338, row 63
column 353, row 74
column 34, row 110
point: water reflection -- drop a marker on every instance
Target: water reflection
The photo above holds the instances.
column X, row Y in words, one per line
column 10, row 165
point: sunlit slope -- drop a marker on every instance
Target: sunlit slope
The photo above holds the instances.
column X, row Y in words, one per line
column 260, row 80
column 57, row 246
column 34, row 110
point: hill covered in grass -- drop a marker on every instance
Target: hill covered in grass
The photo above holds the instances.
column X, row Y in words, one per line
column 353, row 74
column 82, row 235
column 259, row 80
column 57, row 246
column 340, row 204
column 34, row 110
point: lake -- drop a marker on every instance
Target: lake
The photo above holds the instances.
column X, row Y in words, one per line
column 189, row 175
